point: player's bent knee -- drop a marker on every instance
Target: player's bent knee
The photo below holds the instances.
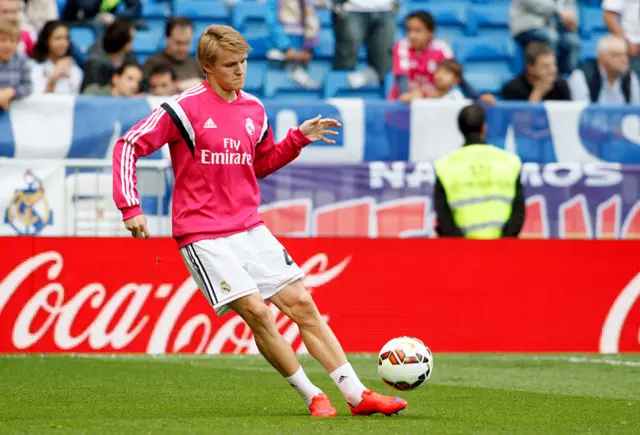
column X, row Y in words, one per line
column 256, row 313
column 303, row 310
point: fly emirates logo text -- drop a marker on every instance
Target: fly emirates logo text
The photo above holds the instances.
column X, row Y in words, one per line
column 228, row 156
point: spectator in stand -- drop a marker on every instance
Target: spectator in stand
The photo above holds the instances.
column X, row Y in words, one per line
column 109, row 54
column 371, row 21
column 54, row 70
column 446, row 80
column 416, row 58
column 163, row 81
column 540, row 81
column 15, row 73
column 99, row 14
column 622, row 18
column 177, row 53
column 10, row 10
column 293, row 33
column 608, row 79
column 38, row 12
column 124, row 83
column 554, row 22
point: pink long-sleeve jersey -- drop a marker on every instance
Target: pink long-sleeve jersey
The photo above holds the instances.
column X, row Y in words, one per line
column 218, row 150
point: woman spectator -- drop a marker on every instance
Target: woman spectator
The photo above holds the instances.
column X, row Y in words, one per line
column 293, row 32
column 54, row 70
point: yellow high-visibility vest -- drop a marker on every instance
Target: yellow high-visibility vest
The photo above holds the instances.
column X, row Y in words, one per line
column 480, row 184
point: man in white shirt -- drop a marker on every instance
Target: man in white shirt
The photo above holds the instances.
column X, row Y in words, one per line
column 608, row 79
column 622, row 18
column 368, row 21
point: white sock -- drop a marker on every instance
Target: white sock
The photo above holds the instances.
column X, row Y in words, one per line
column 349, row 383
column 303, row 385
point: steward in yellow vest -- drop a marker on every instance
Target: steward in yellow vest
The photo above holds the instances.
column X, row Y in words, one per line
column 478, row 193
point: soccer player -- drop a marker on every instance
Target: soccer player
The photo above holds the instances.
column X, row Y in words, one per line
column 220, row 142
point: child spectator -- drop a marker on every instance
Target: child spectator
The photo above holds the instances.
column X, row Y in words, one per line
column 54, row 70
column 15, row 74
column 10, row 10
column 163, row 81
column 124, row 83
column 446, row 80
column 293, row 32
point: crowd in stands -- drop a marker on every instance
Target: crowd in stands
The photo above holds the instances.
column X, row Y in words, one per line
column 38, row 55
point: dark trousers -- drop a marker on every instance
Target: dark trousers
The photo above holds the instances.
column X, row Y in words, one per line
column 375, row 29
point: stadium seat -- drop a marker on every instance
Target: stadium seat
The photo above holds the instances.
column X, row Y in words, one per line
column 483, row 19
column 588, row 50
column 483, row 49
column 591, row 22
column 319, row 69
column 336, row 86
column 325, row 18
column 256, row 72
column 450, row 15
column 278, row 85
column 488, row 77
column 82, row 37
column 259, row 41
column 214, row 11
column 152, row 9
column 388, row 83
column 248, row 15
column 198, row 28
column 147, row 42
column 326, row 44
column 450, row 34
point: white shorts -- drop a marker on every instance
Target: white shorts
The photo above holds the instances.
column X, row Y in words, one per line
column 231, row 267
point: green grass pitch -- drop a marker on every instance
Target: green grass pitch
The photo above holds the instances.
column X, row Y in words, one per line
column 483, row 393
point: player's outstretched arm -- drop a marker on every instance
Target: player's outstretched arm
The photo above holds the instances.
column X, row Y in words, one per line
column 143, row 139
column 271, row 156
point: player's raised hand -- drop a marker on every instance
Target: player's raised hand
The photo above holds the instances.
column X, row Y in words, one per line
column 137, row 226
column 317, row 129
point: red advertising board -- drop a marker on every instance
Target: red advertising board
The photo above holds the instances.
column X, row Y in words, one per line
column 125, row 295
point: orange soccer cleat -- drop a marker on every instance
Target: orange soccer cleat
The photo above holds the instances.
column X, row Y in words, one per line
column 321, row 406
column 374, row 402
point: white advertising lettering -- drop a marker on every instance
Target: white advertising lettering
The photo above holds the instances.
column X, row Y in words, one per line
column 397, row 175
column 108, row 330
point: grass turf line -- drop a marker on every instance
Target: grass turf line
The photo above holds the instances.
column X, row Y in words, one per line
column 485, row 393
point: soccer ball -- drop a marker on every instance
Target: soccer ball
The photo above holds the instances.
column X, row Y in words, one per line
column 405, row 363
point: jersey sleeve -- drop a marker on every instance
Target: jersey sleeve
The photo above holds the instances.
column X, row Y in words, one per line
column 401, row 58
column 144, row 138
column 444, row 48
column 271, row 155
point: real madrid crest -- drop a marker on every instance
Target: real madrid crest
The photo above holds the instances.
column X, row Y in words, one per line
column 248, row 123
column 28, row 212
column 226, row 288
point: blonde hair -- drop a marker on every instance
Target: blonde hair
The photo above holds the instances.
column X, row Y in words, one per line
column 9, row 28
column 218, row 37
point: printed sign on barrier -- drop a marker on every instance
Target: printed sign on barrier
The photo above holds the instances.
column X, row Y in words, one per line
column 32, row 199
column 124, row 295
